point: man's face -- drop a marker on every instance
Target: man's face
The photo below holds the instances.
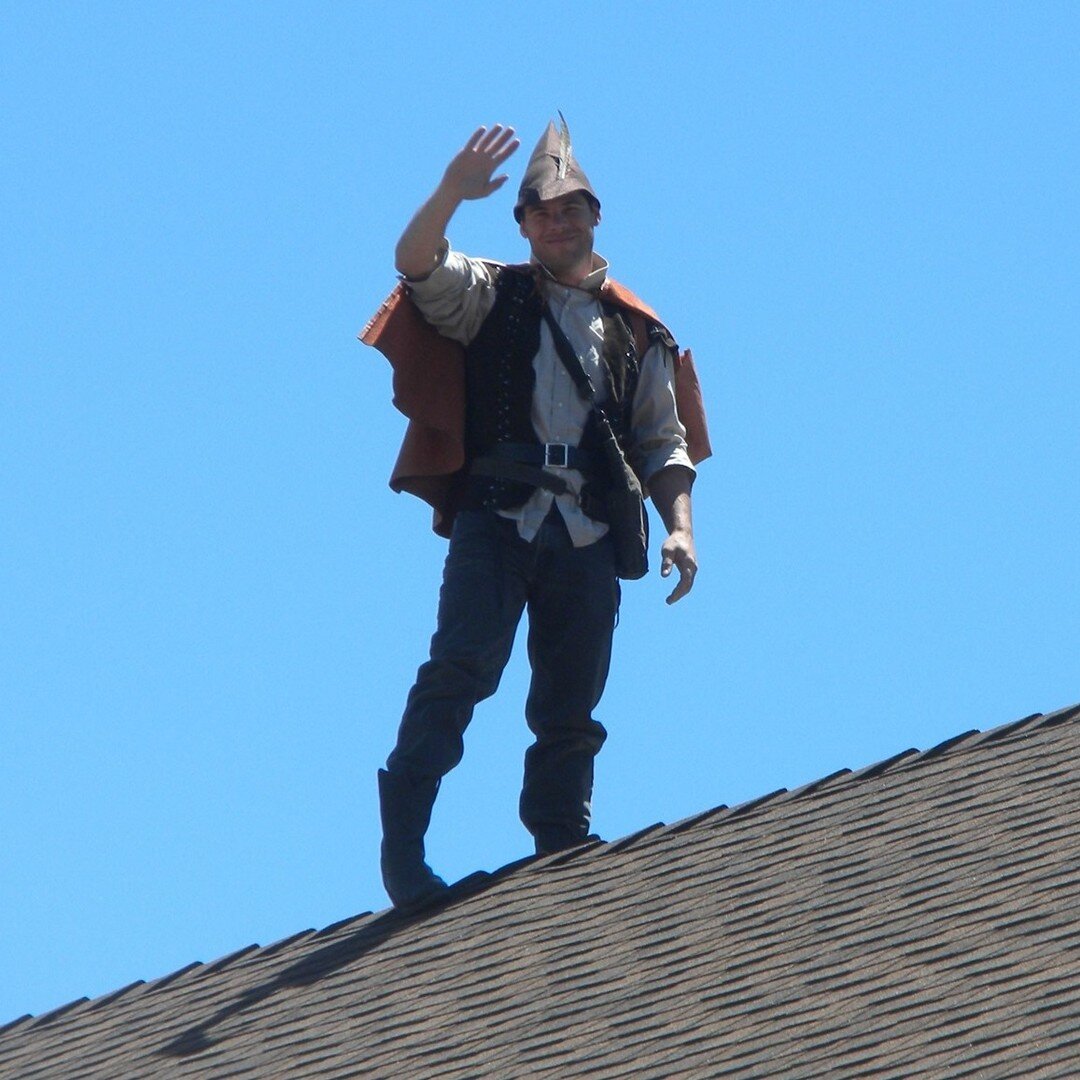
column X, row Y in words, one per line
column 560, row 231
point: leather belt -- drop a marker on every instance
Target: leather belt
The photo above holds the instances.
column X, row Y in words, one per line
column 527, row 463
column 552, row 455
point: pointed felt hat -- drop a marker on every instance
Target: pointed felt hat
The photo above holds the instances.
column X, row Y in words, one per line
column 552, row 171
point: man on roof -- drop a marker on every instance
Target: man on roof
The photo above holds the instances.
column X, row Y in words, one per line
column 505, row 443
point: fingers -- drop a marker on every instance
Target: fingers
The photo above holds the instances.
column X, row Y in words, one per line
column 474, row 139
column 686, row 564
column 507, row 148
column 469, row 174
column 498, row 143
column 685, row 583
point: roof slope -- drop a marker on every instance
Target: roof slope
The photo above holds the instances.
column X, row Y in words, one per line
column 917, row 918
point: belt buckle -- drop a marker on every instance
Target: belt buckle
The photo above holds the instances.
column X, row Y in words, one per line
column 556, row 455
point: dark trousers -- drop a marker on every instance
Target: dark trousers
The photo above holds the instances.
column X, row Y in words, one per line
column 572, row 597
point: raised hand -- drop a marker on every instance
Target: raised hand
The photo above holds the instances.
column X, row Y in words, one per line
column 469, row 174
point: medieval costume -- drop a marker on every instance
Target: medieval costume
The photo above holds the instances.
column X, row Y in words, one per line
column 502, row 451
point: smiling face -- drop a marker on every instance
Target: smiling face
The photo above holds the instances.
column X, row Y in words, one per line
column 560, row 233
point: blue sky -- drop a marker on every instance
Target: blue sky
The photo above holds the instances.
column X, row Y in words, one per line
column 862, row 217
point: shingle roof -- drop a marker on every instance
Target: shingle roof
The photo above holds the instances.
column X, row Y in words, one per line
column 918, row 918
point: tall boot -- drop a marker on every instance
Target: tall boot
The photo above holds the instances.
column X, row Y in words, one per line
column 405, row 808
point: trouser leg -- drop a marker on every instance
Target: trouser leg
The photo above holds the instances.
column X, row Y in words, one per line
column 480, row 604
column 572, row 610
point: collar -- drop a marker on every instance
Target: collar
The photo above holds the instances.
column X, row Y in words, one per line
column 592, row 282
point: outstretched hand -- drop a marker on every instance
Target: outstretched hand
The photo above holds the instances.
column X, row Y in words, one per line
column 469, row 174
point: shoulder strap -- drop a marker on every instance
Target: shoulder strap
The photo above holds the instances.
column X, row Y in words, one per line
column 570, row 358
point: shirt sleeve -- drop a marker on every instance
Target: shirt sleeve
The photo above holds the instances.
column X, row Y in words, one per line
column 456, row 296
column 658, row 435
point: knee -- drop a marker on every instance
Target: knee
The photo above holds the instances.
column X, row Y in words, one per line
column 467, row 679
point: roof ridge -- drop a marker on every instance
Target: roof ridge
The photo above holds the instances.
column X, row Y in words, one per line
column 907, row 759
column 970, row 741
column 910, row 758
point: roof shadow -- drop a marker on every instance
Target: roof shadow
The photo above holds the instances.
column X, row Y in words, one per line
column 308, row 971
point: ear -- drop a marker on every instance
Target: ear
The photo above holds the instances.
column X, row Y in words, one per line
column 521, row 229
column 596, row 219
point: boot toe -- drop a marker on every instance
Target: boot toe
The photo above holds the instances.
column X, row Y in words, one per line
column 414, row 889
column 407, row 878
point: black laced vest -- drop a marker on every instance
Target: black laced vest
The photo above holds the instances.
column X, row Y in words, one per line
column 499, row 383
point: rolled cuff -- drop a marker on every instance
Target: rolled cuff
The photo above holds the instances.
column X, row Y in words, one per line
column 653, row 461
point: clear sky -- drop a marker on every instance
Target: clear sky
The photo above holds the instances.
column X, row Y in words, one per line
column 862, row 217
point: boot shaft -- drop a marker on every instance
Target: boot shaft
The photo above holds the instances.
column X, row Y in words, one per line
column 405, row 806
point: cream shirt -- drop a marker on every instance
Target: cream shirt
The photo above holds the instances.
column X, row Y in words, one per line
column 457, row 296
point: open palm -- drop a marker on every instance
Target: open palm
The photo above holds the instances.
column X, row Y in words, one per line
column 469, row 174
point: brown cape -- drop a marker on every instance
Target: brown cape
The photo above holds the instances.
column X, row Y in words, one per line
column 429, row 388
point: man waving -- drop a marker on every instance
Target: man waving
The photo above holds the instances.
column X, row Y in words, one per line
column 552, row 354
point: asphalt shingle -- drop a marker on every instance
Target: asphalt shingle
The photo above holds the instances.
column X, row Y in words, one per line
column 915, row 918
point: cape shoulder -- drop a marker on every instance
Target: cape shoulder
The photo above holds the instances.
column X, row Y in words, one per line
column 619, row 294
column 688, row 395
